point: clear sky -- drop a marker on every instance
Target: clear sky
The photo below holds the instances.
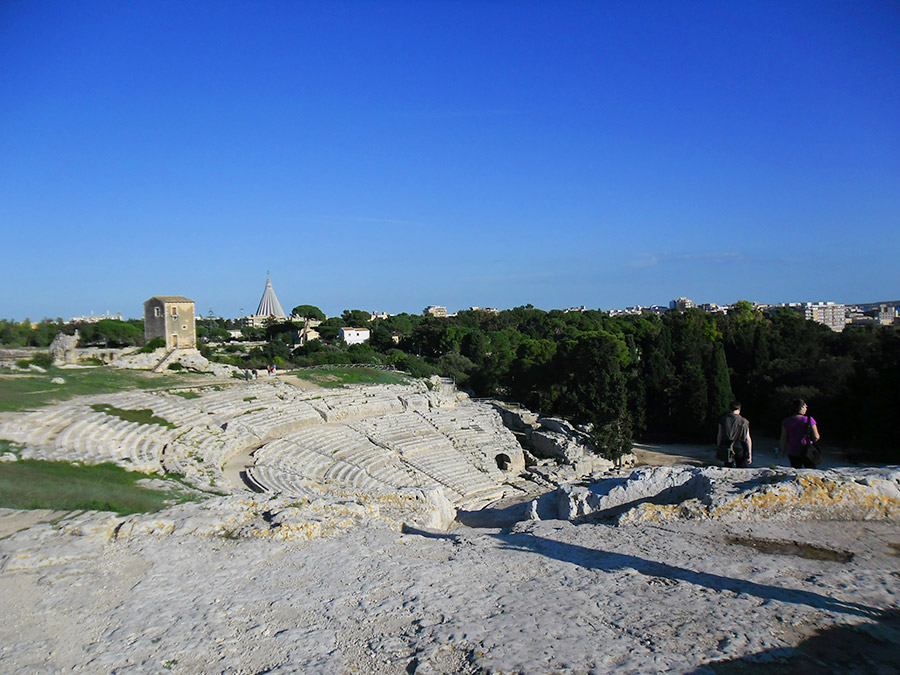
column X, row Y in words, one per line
column 391, row 155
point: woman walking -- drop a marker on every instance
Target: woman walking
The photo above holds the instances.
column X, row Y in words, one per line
column 798, row 432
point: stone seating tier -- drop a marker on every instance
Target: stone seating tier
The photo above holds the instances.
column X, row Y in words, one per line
column 277, row 480
column 336, row 453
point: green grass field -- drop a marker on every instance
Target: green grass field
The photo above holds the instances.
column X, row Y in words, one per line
column 338, row 377
column 30, row 391
column 60, row 486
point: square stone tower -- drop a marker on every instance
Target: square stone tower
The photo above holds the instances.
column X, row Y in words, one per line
column 171, row 317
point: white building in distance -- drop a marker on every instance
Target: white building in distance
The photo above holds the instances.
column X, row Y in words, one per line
column 354, row 336
column 681, row 303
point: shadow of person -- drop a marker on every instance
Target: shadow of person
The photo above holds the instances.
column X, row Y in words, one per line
column 607, row 561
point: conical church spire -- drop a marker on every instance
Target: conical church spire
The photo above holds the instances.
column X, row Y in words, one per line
column 269, row 305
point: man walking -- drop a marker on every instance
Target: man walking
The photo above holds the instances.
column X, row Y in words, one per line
column 733, row 442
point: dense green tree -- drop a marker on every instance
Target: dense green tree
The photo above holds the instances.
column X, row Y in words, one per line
column 532, row 373
column 426, row 338
column 381, row 337
column 212, row 330
column 308, row 312
column 593, row 389
column 356, row 318
column 457, row 366
column 253, row 333
column 110, row 333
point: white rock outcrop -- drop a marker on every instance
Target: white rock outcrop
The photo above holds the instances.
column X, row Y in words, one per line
column 275, row 518
column 651, row 494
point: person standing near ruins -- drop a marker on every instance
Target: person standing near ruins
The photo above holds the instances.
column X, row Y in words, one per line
column 735, row 448
column 797, row 432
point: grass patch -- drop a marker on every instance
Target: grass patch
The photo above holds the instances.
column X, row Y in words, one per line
column 30, row 391
column 186, row 394
column 60, row 486
column 143, row 416
column 339, row 377
column 9, row 446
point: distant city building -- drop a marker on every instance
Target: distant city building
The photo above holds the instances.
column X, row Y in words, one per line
column 435, row 310
column 379, row 315
column 574, row 309
column 887, row 315
column 171, row 317
column 307, row 333
column 489, row 310
column 269, row 308
column 635, row 310
column 354, row 336
column 831, row 314
column 681, row 303
column 94, row 318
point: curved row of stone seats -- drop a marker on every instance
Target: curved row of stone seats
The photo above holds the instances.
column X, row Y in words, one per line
column 476, row 431
column 337, row 458
column 271, row 422
column 209, row 445
column 379, row 462
column 173, row 409
column 432, row 453
column 346, row 445
column 344, row 474
column 176, row 410
column 37, row 429
column 399, row 427
column 301, row 459
column 358, row 405
column 415, row 402
column 68, row 441
column 144, row 450
column 96, row 437
column 174, row 463
column 451, row 470
column 99, row 436
column 281, row 481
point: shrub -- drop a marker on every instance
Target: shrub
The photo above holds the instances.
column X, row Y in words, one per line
column 42, row 359
column 152, row 345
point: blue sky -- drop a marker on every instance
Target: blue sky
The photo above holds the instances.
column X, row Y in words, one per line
column 391, row 155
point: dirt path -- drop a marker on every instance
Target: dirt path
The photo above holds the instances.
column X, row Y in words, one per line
column 705, row 455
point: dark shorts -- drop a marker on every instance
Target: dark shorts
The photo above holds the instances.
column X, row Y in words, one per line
column 800, row 462
column 739, row 462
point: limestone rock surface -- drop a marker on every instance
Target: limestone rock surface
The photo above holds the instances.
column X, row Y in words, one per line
column 660, row 494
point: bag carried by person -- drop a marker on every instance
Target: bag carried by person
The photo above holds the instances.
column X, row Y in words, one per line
column 811, row 451
column 725, row 453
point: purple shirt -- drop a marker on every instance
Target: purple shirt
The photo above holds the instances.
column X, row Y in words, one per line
column 796, row 428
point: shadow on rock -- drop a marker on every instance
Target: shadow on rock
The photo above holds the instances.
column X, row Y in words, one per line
column 608, row 561
column 863, row 648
